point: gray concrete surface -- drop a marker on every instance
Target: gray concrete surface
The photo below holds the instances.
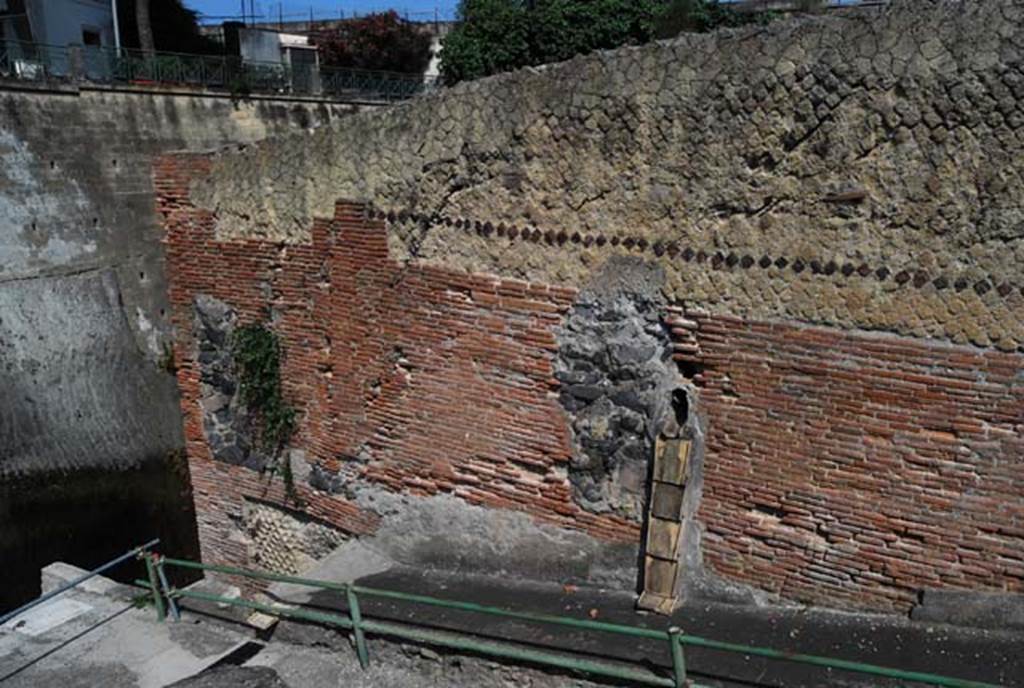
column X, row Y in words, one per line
column 237, row 677
column 84, row 324
column 445, row 532
column 81, row 264
column 108, row 641
column 79, row 392
column 969, row 608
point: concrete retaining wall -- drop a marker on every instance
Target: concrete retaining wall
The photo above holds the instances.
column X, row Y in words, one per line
column 84, row 382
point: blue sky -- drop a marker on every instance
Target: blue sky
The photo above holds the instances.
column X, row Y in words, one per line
column 215, row 11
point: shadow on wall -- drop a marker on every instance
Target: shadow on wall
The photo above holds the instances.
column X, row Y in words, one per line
column 89, row 518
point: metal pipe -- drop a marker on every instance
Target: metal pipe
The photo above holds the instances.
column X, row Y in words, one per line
column 506, row 650
column 167, row 589
column 678, row 660
column 293, row 613
column 446, row 640
column 527, row 616
column 117, row 27
column 357, row 629
column 829, row 662
column 78, row 581
column 158, row 601
column 449, row 604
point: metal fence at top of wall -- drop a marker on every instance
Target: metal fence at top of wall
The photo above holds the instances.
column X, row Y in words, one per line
column 36, row 62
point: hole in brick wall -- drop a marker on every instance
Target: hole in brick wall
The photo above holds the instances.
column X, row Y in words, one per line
column 284, row 540
column 402, row 365
column 690, row 369
column 680, row 406
column 768, row 510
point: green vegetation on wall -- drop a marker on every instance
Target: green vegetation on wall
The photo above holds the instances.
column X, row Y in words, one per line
column 680, row 16
column 500, row 35
column 257, row 354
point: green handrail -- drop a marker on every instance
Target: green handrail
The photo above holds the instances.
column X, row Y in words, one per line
column 440, row 638
column 408, row 597
column 673, row 636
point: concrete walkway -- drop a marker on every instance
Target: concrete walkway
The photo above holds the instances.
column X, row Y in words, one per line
column 103, row 637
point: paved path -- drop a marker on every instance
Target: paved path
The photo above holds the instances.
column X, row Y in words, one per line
column 87, row 640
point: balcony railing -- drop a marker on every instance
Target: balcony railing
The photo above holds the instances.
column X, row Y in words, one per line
column 224, row 73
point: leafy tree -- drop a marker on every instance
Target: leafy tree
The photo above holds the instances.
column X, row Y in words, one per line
column 143, row 26
column 492, row 36
column 173, row 27
column 565, row 28
column 700, row 16
column 377, row 41
column 499, row 35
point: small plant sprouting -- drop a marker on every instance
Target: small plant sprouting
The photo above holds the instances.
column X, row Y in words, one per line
column 166, row 361
column 257, row 354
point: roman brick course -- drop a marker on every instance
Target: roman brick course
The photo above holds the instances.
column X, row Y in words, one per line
column 858, row 469
column 429, row 381
column 843, row 468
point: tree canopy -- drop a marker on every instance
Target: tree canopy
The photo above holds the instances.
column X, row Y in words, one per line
column 175, row 27
column 499, row 35
column 377, row 41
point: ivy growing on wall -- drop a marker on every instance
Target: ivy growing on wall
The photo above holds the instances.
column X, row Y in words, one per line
column 257, row 354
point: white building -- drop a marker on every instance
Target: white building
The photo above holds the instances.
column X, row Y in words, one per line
column 295, row 52
column 58, row 22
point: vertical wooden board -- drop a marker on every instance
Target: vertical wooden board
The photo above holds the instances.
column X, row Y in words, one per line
column 660, row 576
column 662, row 538
column 671, row 461
column 667, row 501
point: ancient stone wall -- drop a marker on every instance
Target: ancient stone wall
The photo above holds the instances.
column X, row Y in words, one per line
column 823, row 213
column 857, row 170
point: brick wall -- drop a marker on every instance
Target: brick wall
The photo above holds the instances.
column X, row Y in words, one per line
column 842, row 468
column 855, row 469
column 415, row 379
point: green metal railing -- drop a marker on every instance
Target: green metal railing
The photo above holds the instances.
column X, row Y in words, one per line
column 355, row 621
column 49, row 63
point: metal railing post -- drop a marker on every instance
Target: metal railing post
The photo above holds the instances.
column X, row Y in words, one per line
column 166, row 588
column 678, row 660
column 161, row 613
column 357, row 627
